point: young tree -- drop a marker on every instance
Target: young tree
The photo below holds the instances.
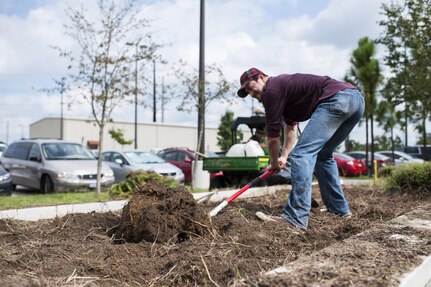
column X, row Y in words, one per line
column 103, row 72
column 407, row 36
column 217, row 88
column 118, row 136
column 386, row 114
column 366, row 72
column 224, row 133
column 385, row 143
column 352, row 145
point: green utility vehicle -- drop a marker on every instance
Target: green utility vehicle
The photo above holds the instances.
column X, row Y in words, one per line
column 235, row 171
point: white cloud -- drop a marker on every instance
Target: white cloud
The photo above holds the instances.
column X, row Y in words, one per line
column 239, row 34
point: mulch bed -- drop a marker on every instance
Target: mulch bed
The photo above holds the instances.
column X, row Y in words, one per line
column 184, row 249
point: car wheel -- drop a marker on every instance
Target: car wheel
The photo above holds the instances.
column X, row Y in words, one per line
column 218, row 182
column 46, row 185
column 13, row 187
column 8, row 191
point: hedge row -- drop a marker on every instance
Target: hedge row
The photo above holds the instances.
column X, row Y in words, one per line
column 407, row 178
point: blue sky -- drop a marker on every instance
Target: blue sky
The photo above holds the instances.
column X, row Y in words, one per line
column 277, row 36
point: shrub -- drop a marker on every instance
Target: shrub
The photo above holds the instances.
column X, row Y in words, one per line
column 386, row 171
column 410, row 177
column 137, row 178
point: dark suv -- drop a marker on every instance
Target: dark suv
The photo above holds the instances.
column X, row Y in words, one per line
column 419, row 151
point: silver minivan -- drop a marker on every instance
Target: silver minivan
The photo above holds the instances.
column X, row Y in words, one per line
column 53, row 165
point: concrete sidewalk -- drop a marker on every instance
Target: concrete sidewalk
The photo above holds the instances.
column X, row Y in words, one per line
column 46, row 212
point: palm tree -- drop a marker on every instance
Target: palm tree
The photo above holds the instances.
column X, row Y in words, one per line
column 366, row 72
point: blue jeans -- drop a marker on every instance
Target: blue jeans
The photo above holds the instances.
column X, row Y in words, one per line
column 328, row 127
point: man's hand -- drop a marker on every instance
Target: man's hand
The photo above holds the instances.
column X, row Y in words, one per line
column 273, row 148
column 282, row 162
column 278, row 162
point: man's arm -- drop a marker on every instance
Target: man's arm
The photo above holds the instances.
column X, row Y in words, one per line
column 290, row 132
column 277, row 163
column 274, row 150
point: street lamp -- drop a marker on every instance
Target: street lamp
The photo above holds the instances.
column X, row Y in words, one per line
column 154, row 91
column 136, row 44
column 22, row 130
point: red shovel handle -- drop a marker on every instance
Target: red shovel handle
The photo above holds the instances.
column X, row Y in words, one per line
column 239, row 192
column 248, row 185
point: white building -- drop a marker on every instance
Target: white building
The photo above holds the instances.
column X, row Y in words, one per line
column 150, row 135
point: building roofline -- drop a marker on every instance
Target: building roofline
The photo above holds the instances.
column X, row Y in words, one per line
column 121, row 122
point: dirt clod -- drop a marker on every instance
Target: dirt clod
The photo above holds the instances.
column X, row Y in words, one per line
column 159, row 214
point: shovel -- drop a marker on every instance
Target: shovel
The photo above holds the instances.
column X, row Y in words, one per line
column 239, row 192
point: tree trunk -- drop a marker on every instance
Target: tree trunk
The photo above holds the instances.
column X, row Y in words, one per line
column 424, row 135
column 405, row 129
column 392, row 144
column 372, row 140
column 100, row 157
column 366, row 146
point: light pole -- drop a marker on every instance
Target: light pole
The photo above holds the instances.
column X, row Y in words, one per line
column 7, row 132
column 136, row 44
column 62, row 84
column 136, row 95
column 22, row 131
column 61, row 119
column 154, row 92
column 201, row 88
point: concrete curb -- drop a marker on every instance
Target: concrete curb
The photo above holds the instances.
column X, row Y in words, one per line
column 420, row 276
column 47, row 212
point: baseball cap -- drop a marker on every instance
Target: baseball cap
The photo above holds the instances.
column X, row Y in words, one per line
column 245, row 79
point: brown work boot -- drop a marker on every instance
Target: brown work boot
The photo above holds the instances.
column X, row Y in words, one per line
column 280, row 220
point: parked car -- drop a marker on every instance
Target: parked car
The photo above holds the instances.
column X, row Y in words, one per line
column 123, row 162
column 53, row 165
column 419, row 151
column 3, row 147
column 382, row 160
column 5, row 182
column 400, row 157
column 349, row 166
column 182, row 158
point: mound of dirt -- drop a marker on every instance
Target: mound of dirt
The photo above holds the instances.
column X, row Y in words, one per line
column 159, row 214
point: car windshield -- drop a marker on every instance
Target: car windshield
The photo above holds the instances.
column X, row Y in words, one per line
column 343, row 156
column 139, row 157
column 65, row 151
column 361, row 155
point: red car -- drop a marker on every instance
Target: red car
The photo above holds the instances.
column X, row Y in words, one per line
column 349, row 166
column 182, row 158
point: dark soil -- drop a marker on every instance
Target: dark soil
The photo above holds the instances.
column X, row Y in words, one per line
column 184, row 248
column 158, row 214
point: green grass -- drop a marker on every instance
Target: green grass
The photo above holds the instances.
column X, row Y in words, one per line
column 21, row 201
